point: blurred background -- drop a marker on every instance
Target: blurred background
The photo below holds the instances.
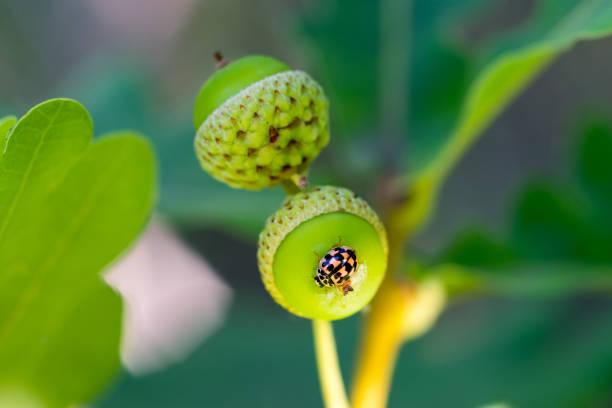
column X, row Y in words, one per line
column 138, row 64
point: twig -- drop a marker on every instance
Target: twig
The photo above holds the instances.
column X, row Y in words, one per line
column 330, row 377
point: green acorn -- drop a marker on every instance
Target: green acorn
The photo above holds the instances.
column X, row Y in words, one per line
column 295, row 244
column 259, row 122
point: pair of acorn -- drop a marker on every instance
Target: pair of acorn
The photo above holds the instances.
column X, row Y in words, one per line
column 259, row 123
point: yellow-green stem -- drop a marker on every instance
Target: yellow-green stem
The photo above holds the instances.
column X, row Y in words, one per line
column 381, row 339
column 330, row 376
column 290, row 187
column 382, row 333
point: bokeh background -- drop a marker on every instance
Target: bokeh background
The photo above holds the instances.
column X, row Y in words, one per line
column 138, row 64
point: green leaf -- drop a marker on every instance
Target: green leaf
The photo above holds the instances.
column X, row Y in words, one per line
column 43, row 145
column 72, row 208
column 510, row 66
column 6, row 123
column 505, row 69
column 540, row 280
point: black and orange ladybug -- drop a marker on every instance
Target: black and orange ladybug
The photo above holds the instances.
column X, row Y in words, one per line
column 336, row 268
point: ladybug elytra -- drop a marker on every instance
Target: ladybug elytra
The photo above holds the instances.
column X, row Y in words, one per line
column 336, row 269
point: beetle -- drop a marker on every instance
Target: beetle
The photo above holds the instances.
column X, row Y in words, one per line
column 336, row 268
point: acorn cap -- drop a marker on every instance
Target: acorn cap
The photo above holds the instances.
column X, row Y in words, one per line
column 303, row 230
column 266, row 133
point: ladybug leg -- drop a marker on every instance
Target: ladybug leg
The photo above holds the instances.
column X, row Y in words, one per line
column 346, row 287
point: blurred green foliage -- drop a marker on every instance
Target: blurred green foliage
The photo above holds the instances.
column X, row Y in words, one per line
column 453, row 92
column 481, row 351
column 67, row 209
column 559, row 240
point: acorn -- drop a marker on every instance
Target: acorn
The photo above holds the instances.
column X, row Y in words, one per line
column 323, row 254
column 259, row 122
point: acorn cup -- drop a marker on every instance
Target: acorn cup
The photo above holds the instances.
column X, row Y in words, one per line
column 321, row 242
column 259, row 122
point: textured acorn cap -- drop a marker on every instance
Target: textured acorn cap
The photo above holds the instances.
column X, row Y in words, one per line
column 267, row 132
column 305, row 206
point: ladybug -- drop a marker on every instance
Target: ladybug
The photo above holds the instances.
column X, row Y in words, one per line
column 336, row 269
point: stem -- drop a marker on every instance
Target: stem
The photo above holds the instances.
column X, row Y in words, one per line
column 382, row 334
column 290, row 187
column 220, row 62
column 381, row 339
column 330, row 377
column 402, row 311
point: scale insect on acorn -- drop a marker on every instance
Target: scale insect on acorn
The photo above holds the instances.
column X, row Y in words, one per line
column 261, row 124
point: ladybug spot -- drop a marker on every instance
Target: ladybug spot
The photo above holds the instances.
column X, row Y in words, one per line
column 251, row 152
column 286, row 167
column 240, row 134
